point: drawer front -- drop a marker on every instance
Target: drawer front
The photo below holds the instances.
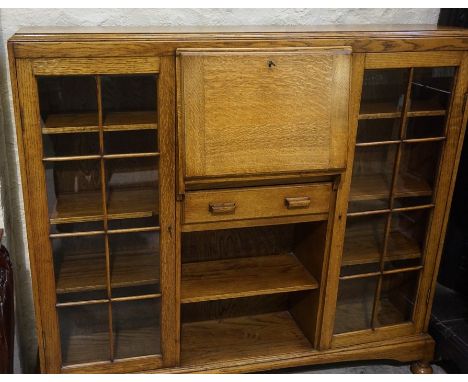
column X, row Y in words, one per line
column 255, row 203
column 262, row 111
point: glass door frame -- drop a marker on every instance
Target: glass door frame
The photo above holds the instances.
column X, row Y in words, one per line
column 36, row 206
column 442, row 190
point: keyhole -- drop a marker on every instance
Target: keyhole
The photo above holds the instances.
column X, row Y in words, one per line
column 271, row 63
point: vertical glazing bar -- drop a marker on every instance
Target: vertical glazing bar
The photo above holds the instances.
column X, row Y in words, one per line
column 396, row 168
column 104, row 210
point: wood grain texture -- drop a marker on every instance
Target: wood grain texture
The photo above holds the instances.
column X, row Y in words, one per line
column 254, row 203
column 251, row 276
column 272, row 110
column 242, row 338
column 77, row 66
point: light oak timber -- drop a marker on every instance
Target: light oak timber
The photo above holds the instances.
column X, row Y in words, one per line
column 222, row 279
column 300, row 329
column 85, row 273
column 88, row 122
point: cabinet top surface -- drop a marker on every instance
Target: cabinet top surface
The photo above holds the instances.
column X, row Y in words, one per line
column 190, row 32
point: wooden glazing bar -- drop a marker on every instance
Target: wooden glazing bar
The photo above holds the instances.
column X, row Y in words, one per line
column 379, row 115
column 76, row 234
column 379, row 143
column 368, row 213
column 130, row 155
column 426, row 113
column 136, row 298
column 68, row 130
column 402, row 270
column 393, row 191
column 70, row 158
column 132, row 230
column 104, row 207
column 360, row 275
column 422, row 140
column 81, row 303
column 413, row 208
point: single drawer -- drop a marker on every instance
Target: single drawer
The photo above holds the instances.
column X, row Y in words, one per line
column 256, row 203
column 262, row 111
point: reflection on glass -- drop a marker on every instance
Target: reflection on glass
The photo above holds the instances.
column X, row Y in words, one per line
column 354, row 305
column 418, row 168
column 431, row 88
column 135, row 262
column 372, row 177
column 74, row 190
column 80, row 265
column 68, row 101
column 126, row 142
column 84, row 332
column 397, row 298
column 364, row 243
column 407, row 236
column 383, row 90
column 425, row 127
column 136, row 328
column 378, row 130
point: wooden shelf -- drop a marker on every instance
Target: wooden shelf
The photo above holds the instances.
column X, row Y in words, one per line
column 123, row 203
column 89, row 122
column 379, row 110
column 130, row 120
column 252, row 276
column 365, row 247
column 425, row 108
column 71, row 123
column 377, row 186
column 233, row 339
column 94, row 347
column 86, row 273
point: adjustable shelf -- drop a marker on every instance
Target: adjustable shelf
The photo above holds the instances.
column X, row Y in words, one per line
column 223, row 279
column 365, row 248
column 89, row 122
column 87, row 273
column 377, row 186
column 122, row 203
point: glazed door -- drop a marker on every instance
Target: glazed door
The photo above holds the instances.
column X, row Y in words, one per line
column 406, row 141
column 98, row 154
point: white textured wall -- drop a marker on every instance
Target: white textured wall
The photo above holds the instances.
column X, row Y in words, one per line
column 12, row 19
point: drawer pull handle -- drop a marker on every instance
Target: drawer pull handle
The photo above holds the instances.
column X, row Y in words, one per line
column 298, row 202
column 222, row 208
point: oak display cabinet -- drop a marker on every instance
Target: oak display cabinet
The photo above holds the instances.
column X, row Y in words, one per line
column 235, row 200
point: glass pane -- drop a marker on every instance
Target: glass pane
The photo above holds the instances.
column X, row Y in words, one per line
column 129, row 102
column 63, row 145
column 431, row 88
column 134, row 263
column 125, row 142
column 74, row 191
column 372, row 177
column 132, row 187
column 378, row 130
column 80, row 266
column 68, row 101
column 84, row 331
column 397, row 298
column 418, row 169
column 425, row 127
column 383, row 90
column 407, row 238
column 364, row 241
column 136, row 328
column 354, row 305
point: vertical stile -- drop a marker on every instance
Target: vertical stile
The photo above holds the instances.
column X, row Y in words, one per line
column 105, row 223
column 396, row 168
